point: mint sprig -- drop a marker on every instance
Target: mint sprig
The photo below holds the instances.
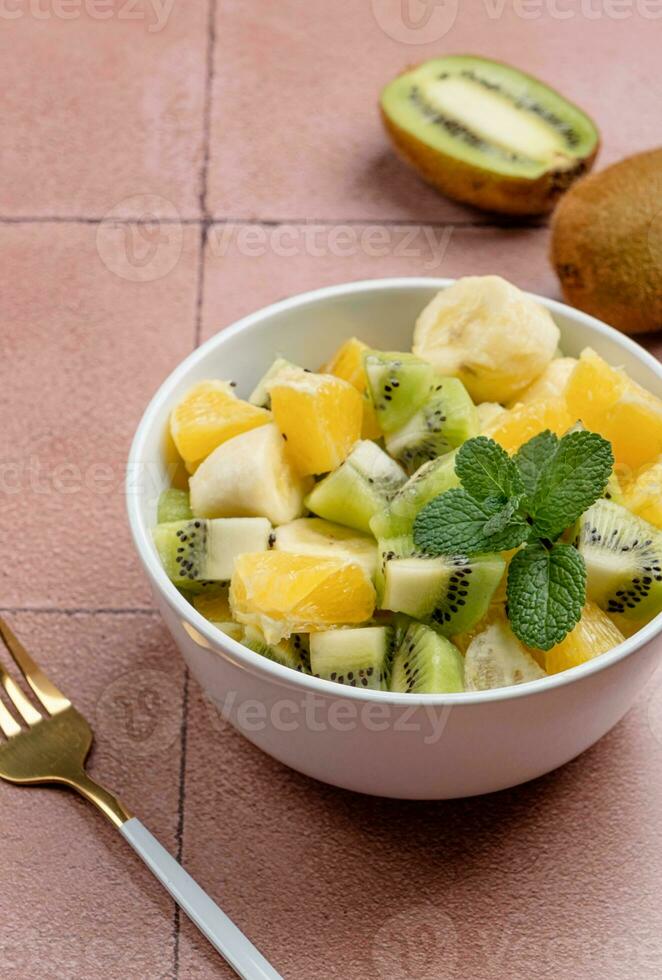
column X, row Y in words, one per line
column 527, row 502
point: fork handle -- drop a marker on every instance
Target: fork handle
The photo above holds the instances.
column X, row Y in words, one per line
column 222, row 933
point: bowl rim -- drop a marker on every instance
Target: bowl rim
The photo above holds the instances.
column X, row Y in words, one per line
column 306, row 683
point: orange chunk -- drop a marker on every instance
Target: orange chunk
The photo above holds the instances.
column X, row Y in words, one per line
column 284, row 593
column 642, row 493
column 209, row 414
column 517, row 425
column 347, row 363
column 320, row 416
column 609, row 402
column 595, row 633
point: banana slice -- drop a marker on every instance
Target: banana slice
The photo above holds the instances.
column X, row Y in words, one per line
column 249, row 476
column 488, row 333
column 496, row 658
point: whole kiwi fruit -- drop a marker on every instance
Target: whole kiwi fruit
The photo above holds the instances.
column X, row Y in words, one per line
column 487, row 134
column 607, row 244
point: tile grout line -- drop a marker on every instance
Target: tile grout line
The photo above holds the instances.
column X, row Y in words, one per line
column 81, row 610
column 204, row 226
column 181, row 803
column 204, row 168
column 208, row 220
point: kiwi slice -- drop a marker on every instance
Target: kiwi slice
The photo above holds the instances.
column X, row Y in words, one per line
column 358, row 657
column 358, row 489
column 398, row 384
column 173, row 505
column 451, row 593
column 292, row 652
column 426, row 663
column 444, row 421
column 623, row 556
column 487, row 134
column 431, row 479
column 197, row 552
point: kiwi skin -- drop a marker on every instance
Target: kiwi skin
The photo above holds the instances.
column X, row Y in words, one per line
column 607, row 244
column 482, row 188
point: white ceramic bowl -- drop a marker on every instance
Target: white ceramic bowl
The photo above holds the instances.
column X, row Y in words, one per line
column 406, row 746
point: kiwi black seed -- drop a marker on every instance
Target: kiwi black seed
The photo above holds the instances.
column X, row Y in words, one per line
column 487, row 134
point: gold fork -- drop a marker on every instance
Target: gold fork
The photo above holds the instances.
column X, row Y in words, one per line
column 53, row 749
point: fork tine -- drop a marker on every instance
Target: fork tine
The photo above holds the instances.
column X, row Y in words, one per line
column 24, row 707
column 8, row 725
column 52, row 699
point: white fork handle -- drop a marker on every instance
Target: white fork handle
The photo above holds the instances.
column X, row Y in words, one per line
column 222, row 933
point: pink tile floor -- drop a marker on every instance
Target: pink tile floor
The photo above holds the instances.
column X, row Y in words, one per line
column 167, row 167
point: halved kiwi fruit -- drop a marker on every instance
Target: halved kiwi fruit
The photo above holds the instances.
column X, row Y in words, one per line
column 487, row 134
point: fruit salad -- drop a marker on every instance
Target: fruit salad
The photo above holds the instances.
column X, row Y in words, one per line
column 476, row 512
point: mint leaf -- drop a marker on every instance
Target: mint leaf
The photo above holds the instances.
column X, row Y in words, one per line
column 532, row 458
column 546, row 593
column 454, row 523
column 502, row 517
column 571, row 480
column 486, row 469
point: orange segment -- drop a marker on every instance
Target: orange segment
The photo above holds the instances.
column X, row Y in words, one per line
column 609, row 402
column 594, row 634
column 285, row 593
column 208, row 415
column 642, row 494
column 519, row 424
column 347, row 363
column 320, row 416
